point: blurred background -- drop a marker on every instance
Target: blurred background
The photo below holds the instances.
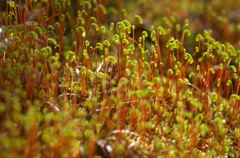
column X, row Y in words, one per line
column 222, row 17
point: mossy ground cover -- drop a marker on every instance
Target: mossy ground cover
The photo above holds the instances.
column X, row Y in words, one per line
column 123, row 78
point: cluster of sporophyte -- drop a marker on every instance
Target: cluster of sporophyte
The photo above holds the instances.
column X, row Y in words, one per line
column 76, row 85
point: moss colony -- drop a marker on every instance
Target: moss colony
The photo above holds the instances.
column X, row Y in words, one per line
column 136, row 78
